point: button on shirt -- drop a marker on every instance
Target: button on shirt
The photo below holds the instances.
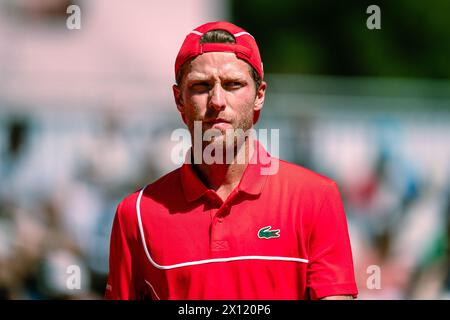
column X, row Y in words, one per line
column 277, row 236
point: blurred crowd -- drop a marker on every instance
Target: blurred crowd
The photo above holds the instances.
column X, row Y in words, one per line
column 57, row 202
column 60, row 187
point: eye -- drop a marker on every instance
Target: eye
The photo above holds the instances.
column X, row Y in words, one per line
column 231, row 85
column 200, row 86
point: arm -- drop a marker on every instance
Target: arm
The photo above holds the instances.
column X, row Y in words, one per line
column 330, row 273
column 120, row 284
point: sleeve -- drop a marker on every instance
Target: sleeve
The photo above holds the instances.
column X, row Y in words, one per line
column 120, row 284
column 330, row 269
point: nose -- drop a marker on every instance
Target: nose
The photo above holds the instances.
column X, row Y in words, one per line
column 217, row 98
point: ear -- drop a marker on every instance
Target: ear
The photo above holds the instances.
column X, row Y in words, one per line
column 179, row 100
column 259, row 100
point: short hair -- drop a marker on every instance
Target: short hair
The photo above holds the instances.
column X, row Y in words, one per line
column 218, row 36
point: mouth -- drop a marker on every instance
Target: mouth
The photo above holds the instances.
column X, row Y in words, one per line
column 219, row 123
column 216, row 120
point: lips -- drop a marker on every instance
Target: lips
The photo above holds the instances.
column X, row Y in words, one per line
column 219, row 123
column 217, row 120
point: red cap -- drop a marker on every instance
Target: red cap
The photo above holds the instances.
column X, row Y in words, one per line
column 245, row 47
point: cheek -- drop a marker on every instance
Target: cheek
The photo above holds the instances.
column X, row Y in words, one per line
column 244, row 102
column 193, row 106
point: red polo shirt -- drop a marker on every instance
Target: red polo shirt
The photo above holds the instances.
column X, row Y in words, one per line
column 279, row 236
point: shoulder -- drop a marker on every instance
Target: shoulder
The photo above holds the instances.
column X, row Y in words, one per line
column 296, row 175
column 126, row 210
column 164, row 183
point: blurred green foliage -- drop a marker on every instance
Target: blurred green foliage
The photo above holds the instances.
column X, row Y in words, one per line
column 331, row 37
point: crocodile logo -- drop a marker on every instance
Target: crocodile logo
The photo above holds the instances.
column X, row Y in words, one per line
column 266, row 233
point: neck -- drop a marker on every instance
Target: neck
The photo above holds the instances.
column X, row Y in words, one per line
column 223, row 178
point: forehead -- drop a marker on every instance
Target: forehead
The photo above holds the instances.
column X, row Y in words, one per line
column 217, row 64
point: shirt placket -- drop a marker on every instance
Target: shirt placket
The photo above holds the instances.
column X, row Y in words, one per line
column 219, row 233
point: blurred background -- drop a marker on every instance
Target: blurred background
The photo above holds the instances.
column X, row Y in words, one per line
column 86, row 117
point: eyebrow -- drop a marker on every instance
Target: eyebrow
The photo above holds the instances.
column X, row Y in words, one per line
column 203, row 77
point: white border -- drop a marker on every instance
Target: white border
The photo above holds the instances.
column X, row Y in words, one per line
column 196, row 32
column 193, row 263
column 153, row 289
column 243, row 33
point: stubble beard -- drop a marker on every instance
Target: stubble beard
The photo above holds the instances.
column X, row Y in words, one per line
column 230, row 141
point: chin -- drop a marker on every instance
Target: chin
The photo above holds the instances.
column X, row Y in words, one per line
column 222, row 142
column 219, row 141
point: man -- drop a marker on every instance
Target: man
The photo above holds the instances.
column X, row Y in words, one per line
column 257, row 228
